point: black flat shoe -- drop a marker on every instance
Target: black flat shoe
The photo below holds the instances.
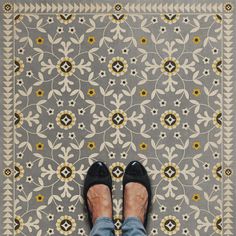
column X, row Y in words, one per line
column 98, row 173
column 135, row 172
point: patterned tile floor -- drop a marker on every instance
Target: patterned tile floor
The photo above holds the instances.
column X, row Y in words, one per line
column 118, row 87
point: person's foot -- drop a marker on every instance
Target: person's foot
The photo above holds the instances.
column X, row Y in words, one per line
column 135, row 201
column 99, row 201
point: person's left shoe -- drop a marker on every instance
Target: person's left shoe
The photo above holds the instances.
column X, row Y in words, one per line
column 98, row 192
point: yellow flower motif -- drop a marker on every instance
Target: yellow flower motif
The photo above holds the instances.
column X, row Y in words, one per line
column 18, row 18
column 143, row 40
column 143, row 93
column 91, row 40
column 196, row 92
column 196, row 145
column 19, row 66
column 170, row 171
column 228, row 172
column 118, row 7
column 170, row 225
column 39, row 93
column 118, row 18
column 196, row 197
column 217, row 171
column 66, row 172
column 117, row 118
column 117, row 170
column 18, row 118
column 217, row 119
column 39, row 198
column 7, row 172
column 228, row 7
column 196, row 40
column 170, row 119
column 170, row 66
column 7, row 7
column 218, row 18
column 39, row 40
column 91, row 145
column 217, row 66
column 91, row 92
column 66, row 119
column 66, row 18
column 118, row 223
column 217, row 224
column 118, row 66
column 39, row 146
column 143, row 146
column 170, row 18
column 19, row 171
column 20, row 225
column 66, row 225
column 66, row 66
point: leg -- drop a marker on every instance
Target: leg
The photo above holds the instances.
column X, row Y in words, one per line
column 135, row 206
column 98, row 200
column 137, row 199
column 132, row 226
column 100, row 205
column 103, row 227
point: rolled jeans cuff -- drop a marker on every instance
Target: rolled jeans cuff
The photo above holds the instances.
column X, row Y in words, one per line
column 105, row 220
column 133, row 226
column 103, row 226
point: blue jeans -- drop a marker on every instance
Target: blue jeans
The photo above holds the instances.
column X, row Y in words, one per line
column 104, row 226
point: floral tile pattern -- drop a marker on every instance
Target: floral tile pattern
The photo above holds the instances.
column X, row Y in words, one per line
column 117, row 85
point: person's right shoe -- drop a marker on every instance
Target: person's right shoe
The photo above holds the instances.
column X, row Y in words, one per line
column 136, row 173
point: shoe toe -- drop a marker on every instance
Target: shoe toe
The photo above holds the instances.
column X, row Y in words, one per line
column 98, row 169
column 135, row 168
